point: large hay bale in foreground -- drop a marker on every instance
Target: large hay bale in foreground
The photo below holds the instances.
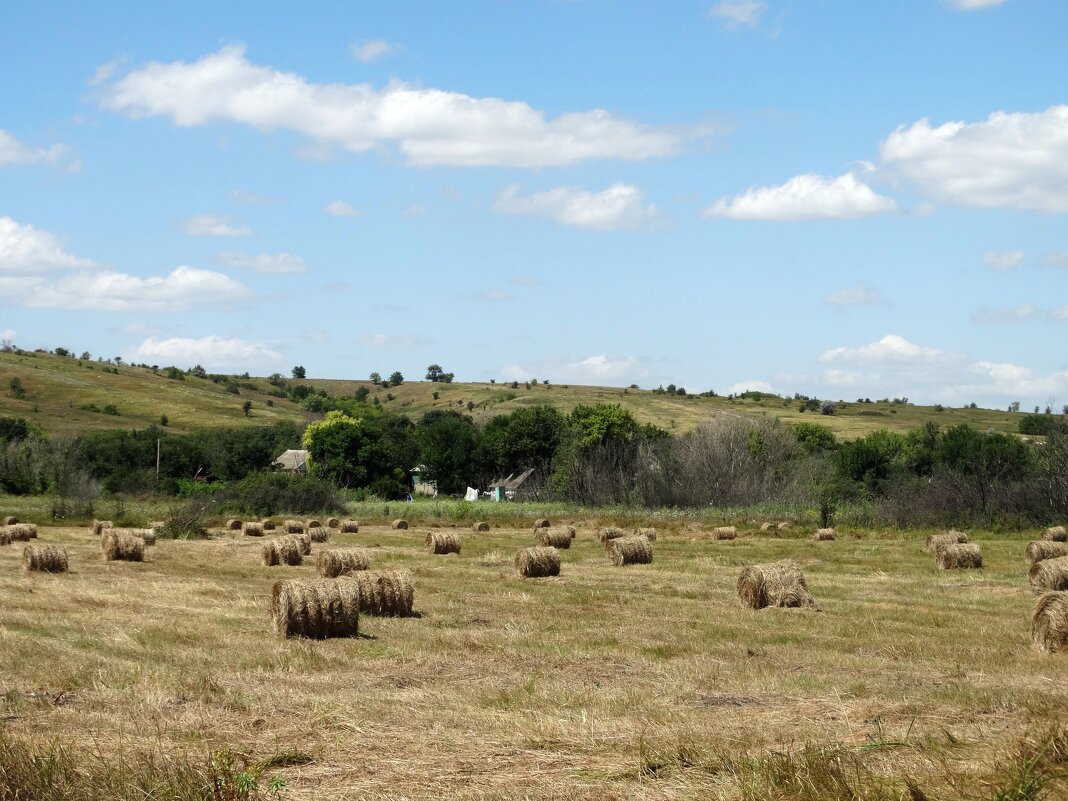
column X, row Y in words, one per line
column 648, row 533
column 10, row 520
column 724, row 533
column 481, row 526
column 282, row 551
column 121, row 546
column 1049, row 575
column 823, row 534
column 44, row 558
column 541, row 522
column 315, row 609
column 631, row 551
column 439, row 542
column 1049, row 624
column 962, row 556
column 337, row 562
column 1045, row 549
column 333, row 522
column 97, row 526
column 773, row 584
column 938, row 541
column 350, row 527
column 553, row 537
column 399, row 525
column 293, row 527
column 384, row 593
column 1055, row 534
column 233, row 524
column 318, row 534
column 252, row 529
column 538, row 562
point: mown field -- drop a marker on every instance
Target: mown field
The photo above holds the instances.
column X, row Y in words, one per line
column 642, row 682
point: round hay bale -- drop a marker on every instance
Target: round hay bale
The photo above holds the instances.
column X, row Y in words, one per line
column 1049, row 624
column 318, row 534
column 350, row 527
column 541, row 522
column 333, row 522
column 784, row 526
column 252, row 529
column 537, row 562
column 336, row 563
column 779, row 584
column 268, row 525
column 233, row 524
column 44, row 558
column 724, row 533
column 1045, row 549
column 962, row 556
column 823, row 534
column 282, row 551
column 1049, row 575
column 938, row 541
column 312, row 523
column 439, row 542
column 98, row 526
column 10, row 520
column 399, row 525
column 5, row 536
column 303, row 542
column 609, row 533
column 553, row 537
column 315, row 609
column 648, row 533
column 121, row 546
column 146, row 534
column 21, row 532
column 481, row 526
column 631, row 551
column 766, row 527
column 384, row 593
column 1055, row 534
column 293, row 527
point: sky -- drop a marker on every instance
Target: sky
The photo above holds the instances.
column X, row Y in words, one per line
column 838, row 198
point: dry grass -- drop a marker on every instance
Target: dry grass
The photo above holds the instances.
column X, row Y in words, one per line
column 1049, row 575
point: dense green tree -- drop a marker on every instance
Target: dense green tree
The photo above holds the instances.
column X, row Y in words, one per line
column 448, row 443
column 299, row 372
column 526, row 438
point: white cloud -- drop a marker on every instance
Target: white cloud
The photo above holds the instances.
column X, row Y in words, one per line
column 1011, row 314
column 618, row 206
column 7, row 335
column 340, row 208
column 213, row 352
column 748, row 386
column 393, row 341
column 430, row 126
column 1010, row 160
column 28, row 250
column 1059, row 314
column 248, row 198
column 1003, row 260
column 13, row 152
column 598, row 369
column 1057, row 259
column 805, row 197
column 738, row 13
column 891, row 350
column 1013, row 381
column 493, row 295
column 263, row 262
column 372, row 50
column 974, row 5
column 854, row 296
column 213, row 225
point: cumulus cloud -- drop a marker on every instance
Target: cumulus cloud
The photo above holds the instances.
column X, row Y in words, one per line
column 429, row 126
column 738, row 13
column 28, row 250
column 372, row 50
column 973, row 5
column 597, row 369
column 854, row 296
column 1059, row 314
column 891, row 350
column 805, row 197
column 7, row 335
column 618, row 206
column 13, row 152
column 1008, row 314
column 340, row 208
column 1003, row 260
column 263, row 262
column 748, row 386
column 213, row 225
column 393, row 341
column 1057, row 259
column 215, row 353
column 1009, row 160
column 248, row 198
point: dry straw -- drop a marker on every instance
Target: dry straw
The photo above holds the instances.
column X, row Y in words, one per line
column 303, row 542
column 10, row 520
column 631, row 551
column 293, row 527
column 97, row 526
column 312, row 523
column 481, row 526
column 350, row 527
column 268, row 524
column 554, row 537
column 606, row 535
column 315, row 609
column 773, row 584
column 121, row 546
column 1049, row 625
column 962, row 556
column 336, row 563
column 648, row 533
column 318, row 534
column 938, row 541
column 1056, row 534
column 385, row 593
column 156, row 525
column 146, row 534
column 823, row 534
column 1044, row 549
column 541, row 522
column 1049, row 575
column 537, row 562
column 20, row 532
column 5, row 537
column 765, row 527
column 333, row 522
column 399, row 525
column 45, row 558
column 724, row 533
column 253, row 529
column 282, row 551
column 784, row 526
column 442, row 542
column 233, row 524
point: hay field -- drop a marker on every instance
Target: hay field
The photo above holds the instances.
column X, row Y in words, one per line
column 638, row 682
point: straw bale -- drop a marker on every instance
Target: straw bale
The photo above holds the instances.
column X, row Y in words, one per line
column 293, row 527
column 1045, row 549
column 282, row 551
column 554, row 537
column 233, row 524
column 648, row 533
column 333, row 522
column 1049, row 575
column 384, row 593
column 1055, row 534
column 315, row 609
column 1049, row 624
column 399, row 525
column 962, row 556
column 631, row 551
column 481, row 526
column 439, row 542
column 252, row 529
column 45, row 558
column 537, row 562
column 10, row 520
column 823, row 534
column 268, row 524
column 21, row 532
column 937, row 541
column 337, row 562
column 97, row 526
column 724, row 533
column 541, row 522
column 318, row 534
column 784, row 526
column 312, row 523
column 773, row 584
column 350, row 527
column 609, row 533
column 121, row 546
column 765, row 527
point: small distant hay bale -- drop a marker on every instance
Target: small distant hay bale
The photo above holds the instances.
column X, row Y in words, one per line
column 253, row 529
column 384, row 593
column 779, row 584
column 282, row 551
column 350, row 527
column 121, row 546
column 44, row 559
column 333, row 522
column 337, row 562
column 765, row 527
column 315, row 609
column 233, row 524
column 318, row 534
column 541, row 522
column 938, row 541
column 1049, row 575
column 1055, row 534
column 724, row 533
column 784, row 526
column 268, row 525
column 22, row 532
column 481, row 526
column 98, row 526
column 1045, row 549
column 553, row 537
column 648, row 533
column 1049, row 624
column 439, row 542
column 609, row 533
column 538, row 562
column 823, row 534
column 961, row 556
column 312, row 523
column 293, row 527
column 399, row 525
column 631, row 551
column 10, row 520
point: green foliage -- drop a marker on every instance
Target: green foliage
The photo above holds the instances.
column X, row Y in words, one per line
column 435, row 374
column 1043, row 424
column 17, row 390
column 526, row 438
column 604, row 422
column 265, row 494
column 395, row 378
column 815, row 438
column 188, row 520
column 14, row 428
column 373, row 451
column 299, row 371
column 448, row 443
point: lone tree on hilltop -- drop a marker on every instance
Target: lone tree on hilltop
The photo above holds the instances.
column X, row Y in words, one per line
column 299, row 371
column 435, row 374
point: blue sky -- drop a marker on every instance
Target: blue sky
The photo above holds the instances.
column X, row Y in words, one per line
column 844, row 199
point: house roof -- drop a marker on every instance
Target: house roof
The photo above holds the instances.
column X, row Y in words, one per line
column 513, row 481
column 292, row 459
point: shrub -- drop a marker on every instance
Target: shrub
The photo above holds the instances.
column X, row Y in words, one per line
column 266, row 494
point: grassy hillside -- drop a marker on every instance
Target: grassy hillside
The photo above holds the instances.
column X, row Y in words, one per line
column 57, row 388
